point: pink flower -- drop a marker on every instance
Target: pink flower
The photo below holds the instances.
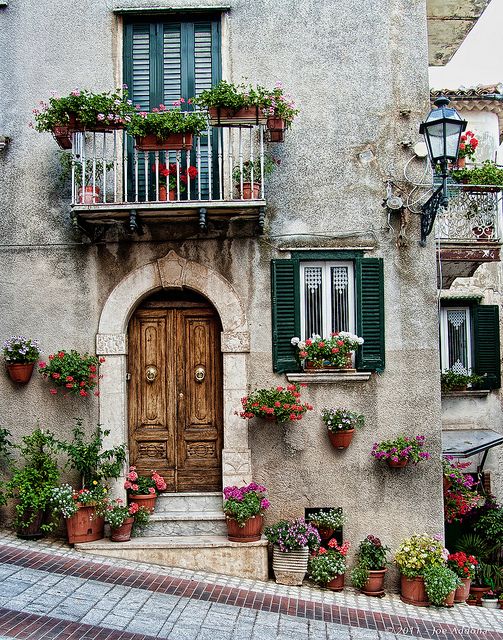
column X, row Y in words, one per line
column 53, row 391
column 127, row 485
column 151, row 490
column 42, row 365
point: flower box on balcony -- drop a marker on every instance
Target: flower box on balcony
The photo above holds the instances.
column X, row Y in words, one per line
column 174, row 142
column 226, row 117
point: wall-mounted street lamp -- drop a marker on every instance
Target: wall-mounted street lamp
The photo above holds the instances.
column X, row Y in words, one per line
column 442, row 131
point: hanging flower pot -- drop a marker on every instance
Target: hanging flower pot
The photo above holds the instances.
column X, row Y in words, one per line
column 143, row 500
column 20, row 372
column 122, row 533
column 397, row 464
column 63, row 136
column 276, row 128
column 325, row 532
column 173, row 142
column 251, row 531
column 226, row 117
column 341, row 439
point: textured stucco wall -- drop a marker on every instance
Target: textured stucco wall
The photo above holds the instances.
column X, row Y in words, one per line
column 352, row 68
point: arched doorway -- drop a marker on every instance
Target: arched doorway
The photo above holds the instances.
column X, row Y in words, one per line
column 175, row 390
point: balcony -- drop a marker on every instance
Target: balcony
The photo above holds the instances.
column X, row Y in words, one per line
column 217, row 179
column 468, row 231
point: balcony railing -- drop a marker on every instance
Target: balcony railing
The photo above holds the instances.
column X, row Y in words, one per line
column 220, row 175
column 472, row 214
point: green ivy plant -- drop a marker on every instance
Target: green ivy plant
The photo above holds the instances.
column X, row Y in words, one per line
column 486, row 174
column 439, row 581
column 87, row 456
column 449, row 380
column 31, row 485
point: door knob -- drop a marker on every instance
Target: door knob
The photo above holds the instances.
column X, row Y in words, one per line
column 199, row 374
column 151, row 373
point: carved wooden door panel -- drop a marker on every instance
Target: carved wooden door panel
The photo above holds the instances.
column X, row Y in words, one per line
column 175, row 395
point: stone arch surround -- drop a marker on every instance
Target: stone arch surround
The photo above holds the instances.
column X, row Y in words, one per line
column 173, row 271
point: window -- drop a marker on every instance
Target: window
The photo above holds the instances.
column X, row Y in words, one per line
column 325, row 291
column 327, row 298
column 469, row 340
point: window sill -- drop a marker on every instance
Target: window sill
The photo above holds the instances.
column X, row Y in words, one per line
column 321, row 377
column 479, row 393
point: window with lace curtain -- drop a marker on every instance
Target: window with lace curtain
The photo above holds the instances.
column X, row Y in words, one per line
column 456, row 340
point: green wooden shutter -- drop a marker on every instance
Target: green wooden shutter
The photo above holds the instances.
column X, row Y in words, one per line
column 486, row 344
column 285, row 313
column 370, row 313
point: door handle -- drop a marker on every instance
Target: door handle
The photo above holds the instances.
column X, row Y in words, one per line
column 199, row 374
column 151, row 373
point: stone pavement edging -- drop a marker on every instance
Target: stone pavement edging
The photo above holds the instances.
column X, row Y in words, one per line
column 313, row 604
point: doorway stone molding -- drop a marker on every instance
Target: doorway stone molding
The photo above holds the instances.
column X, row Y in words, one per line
column 173, row 271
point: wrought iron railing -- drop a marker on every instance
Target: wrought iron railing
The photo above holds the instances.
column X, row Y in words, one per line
column 473, row 213
column 224, row 164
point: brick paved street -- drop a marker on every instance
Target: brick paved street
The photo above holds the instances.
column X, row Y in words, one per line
column 48, row 590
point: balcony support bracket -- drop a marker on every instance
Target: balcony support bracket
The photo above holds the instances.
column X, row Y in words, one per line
column 261, row 220
column 203, row 222
column 429, row 212
column 133, row 222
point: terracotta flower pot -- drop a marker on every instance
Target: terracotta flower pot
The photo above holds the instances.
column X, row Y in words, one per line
column 325, row 534
column 63, row 136
column 375, row 583
column 478, row 592
column 122, row 533
column 449, row 601
column 341, row 439
column 446, row 483
column 147, row 500
column 276, row 128
column 290, row 567
column 462, row 592
column 85, row 526
column 174, row 142
column 247, row 191
column 250, row 532
column 224, row 117
column 413, row 591
column 20, row 372
column 397, row 465
column 472, row 603
column 337, row 584
column 89, row 195
column 163, row 193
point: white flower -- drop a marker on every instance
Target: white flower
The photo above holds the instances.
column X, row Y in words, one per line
column 295, row 341
column 360, row 340
column 301, row 345
column 315, row 336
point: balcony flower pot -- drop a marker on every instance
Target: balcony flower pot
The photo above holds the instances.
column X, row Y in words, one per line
column 226, row 117
column 251, row 531
column 20, row 372
column 89, row 195
column 397, row 464
column 290, row 567
column 63, row 136
column 341, row 439
column 375, row 583
column 85, row 525
column 461, row 594
column 248, row 192
column 143, row 500
column 174, row 142
column 122, row 533
column 337, row 584
column 276, row 128
column 163, row 193
column 412, row 591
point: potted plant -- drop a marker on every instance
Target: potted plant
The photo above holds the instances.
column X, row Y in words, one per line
column 125, row 520
column 328, row 566
column 277, row 404
column 451, row 381
column 86, row 179
column 440, row 583
column 486, row 177
column 172, row 179
column 74, row 372
column 368, row 575
column 292, row 540
column 231, row 105
column 82, row 509
column 460, row 493
column 335, row 352
column 144, row 489
column 248, row 176
column 244, row 508
column 164, row 128
column 280, row 110
column 83, row 110
column 20, row 355
column 412, row 557
column 464, row 567
column 341, row 424
column 32, row 483
column 468, row 144
column 490, row 600
column 327, row 522
column 400, row 451
column 471, row 600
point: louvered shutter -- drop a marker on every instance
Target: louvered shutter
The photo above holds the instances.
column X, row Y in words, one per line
column 285, row 313
column 486, row 345
column 370, row 313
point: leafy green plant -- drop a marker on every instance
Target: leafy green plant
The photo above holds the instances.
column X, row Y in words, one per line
column 490, row 524
column 449, row 380
column 359, row 576
column 277, row 402
column 93, row 170
column 371, row 556
column 5, row 461
column 228, row 95
column 86, row 107
column 340, row 419
column 162, row 122
column 326, row 564
column 88, row 457
column 439, row 581
column 31, row 485
column 331, row 519
column 20, row 349
column 242, row 503
column 254, row 166
column 293, row 534
column 486, row 174
column 116, row 513
column 76, row 373
column 417, row 553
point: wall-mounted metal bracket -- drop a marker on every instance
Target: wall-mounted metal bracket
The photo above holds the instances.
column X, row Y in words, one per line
column 203, row 223
column 261, row 220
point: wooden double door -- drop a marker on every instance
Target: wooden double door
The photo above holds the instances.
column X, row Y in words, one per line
column 175, row 391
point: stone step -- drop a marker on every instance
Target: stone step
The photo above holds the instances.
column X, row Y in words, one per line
column 187, row 502
column 213, row 554
column 192, row 523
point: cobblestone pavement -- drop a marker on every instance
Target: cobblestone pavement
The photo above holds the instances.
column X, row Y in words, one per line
column 48, row 590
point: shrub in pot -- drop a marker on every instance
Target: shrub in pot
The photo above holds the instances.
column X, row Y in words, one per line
column 440, row 583
column 248, row 176
column 328, row 566
column 368, row 574
column 144, row 489
column 125, row 520
column 245, row 508
column 20, row 355
column 292, row 540
column 327, row 521
column 451, row 381
column 464, row 567
column 341, row 424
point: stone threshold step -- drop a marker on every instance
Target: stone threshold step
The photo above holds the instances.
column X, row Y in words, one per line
column 193, row 494
column 169, row 542
column 162, row 516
